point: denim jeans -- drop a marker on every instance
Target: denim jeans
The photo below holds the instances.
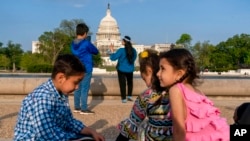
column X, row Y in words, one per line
column 81, row 94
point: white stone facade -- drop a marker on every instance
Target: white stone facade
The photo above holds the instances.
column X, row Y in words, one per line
column 108, row 33
column 161, row 47
column 35, row 45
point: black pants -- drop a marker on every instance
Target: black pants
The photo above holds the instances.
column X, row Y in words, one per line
column 122, row 138
column 124, row 80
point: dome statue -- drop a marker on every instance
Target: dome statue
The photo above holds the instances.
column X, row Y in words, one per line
column 108, row 33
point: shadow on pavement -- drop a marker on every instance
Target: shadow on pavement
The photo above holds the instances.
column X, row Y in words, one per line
column 97, row 88
column 109, row 133
column 99, row 124
column 9, row 115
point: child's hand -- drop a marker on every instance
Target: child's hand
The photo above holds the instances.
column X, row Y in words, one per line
column 98, row 137
column 93, row 133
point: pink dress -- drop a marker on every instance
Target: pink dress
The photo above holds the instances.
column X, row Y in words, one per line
column 203, row 122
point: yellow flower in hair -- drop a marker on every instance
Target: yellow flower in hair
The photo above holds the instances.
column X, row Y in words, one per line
column 144, row 54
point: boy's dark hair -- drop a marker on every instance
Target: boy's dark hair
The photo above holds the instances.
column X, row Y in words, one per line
column 181, row 58
column 81, row 29
column 68, row 64
column 129, row 49
column 150, row 58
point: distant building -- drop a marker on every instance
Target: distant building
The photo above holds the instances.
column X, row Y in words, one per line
column 244, row 71
column 108, row 62
column 139, row 48
column 161, row 47
column 108, row 33
column 35, row 45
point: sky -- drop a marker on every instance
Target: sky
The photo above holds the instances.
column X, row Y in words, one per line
column 146, row 21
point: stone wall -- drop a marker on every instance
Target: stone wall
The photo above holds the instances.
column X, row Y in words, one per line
column 108, row 86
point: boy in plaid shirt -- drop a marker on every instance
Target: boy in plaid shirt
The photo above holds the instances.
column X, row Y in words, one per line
column 45, row 113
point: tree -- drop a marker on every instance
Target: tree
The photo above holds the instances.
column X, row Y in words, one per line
column 97, row 60
column 69, row 27
column 52, row 43
column 2, row 49
column 185, row 40
column 29, row 59
column 1, row 44
column 4, row 61
column 235, row 51
column 239, row 47
column 247, row 59
column 201, row 52
column 14, row 52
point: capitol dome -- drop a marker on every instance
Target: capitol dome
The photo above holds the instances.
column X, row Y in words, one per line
column 108, row 33
column 108, row 23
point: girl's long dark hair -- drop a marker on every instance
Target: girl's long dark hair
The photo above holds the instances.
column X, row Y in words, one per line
column 129, row 49
column 181, row 58
column 151, row 60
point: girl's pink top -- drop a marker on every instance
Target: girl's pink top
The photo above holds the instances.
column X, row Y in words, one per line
column 203, row 121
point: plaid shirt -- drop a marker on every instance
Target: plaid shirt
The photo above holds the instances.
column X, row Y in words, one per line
column 45, row 115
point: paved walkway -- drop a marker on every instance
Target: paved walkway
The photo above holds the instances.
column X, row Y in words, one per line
column 108, row 113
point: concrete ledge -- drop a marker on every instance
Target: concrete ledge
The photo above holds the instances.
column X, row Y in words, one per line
column 100, row 86
column 109, row 86
column 226, row 87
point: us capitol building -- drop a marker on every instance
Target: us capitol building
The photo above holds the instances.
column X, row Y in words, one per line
column 108, row 33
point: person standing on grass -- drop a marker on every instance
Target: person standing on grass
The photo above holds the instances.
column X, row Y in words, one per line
column 125, row 67
column 83, row 49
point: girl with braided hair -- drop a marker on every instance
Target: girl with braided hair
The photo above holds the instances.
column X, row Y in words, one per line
column 193, row 115
column 148, row 120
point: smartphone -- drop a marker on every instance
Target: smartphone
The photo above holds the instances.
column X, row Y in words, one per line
column 88, row 38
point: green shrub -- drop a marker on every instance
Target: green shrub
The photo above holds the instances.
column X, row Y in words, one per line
column 40, row 68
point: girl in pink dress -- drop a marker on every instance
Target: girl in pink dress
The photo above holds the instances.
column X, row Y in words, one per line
column 194, row 116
